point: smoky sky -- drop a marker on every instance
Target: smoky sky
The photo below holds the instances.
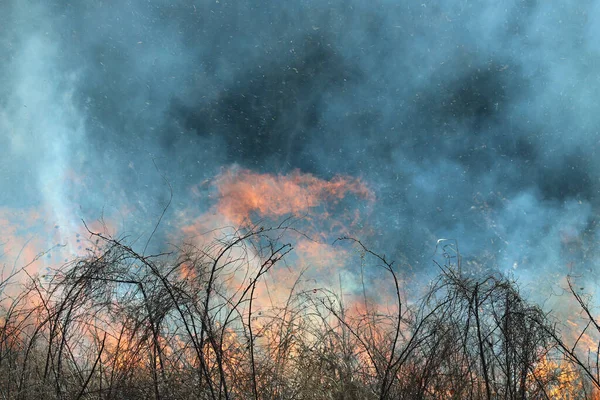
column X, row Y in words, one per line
column 476, row 121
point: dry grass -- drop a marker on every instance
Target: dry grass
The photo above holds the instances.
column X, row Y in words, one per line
column 118, row 324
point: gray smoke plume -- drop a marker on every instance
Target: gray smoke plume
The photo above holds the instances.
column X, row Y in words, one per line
column 474, row 121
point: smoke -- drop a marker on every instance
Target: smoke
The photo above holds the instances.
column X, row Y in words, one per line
column 471, row 121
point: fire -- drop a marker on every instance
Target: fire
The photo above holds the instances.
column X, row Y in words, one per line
column 314, row 308
column 243, row 198
column 242, row 193
column 564, row 381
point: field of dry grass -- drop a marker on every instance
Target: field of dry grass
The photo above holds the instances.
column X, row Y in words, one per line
column 190, row 324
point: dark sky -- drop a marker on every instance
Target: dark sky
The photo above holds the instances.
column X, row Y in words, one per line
column 476, row 121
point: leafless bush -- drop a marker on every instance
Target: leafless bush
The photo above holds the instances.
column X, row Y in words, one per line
column 119, row 324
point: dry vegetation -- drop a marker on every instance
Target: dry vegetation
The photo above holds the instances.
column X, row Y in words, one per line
column 118, row 324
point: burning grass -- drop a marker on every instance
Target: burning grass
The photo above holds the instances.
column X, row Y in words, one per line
column 201, row 323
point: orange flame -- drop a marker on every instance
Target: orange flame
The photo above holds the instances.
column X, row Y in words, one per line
column 242, row 192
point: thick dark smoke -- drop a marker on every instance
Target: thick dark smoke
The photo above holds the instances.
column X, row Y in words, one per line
column 474, row 121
